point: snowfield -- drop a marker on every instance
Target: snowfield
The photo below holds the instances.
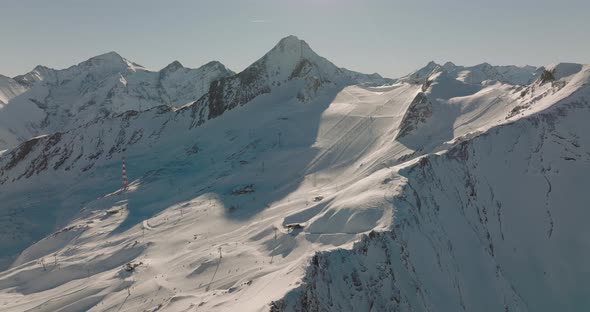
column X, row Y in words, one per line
column 296, row 185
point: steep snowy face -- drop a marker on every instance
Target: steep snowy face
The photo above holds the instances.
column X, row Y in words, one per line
column 105, row 85
column 291, row 66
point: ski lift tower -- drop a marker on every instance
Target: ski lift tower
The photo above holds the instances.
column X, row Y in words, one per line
column 125, row 184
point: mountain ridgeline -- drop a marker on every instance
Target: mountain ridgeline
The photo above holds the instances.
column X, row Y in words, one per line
column 294, row 185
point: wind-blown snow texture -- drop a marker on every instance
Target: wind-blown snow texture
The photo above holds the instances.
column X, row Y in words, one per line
column 296, row 185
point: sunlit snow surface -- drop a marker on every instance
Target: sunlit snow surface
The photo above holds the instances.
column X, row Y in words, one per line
column 480, row 207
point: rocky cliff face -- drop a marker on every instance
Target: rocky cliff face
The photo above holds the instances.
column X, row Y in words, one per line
column 418, row 112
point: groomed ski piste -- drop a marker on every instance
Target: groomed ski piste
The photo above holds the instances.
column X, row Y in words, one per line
column 322, row 192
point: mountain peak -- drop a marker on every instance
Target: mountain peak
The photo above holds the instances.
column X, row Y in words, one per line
column 172, row 67
column 112, row 60
column 449, row 66
column 41, row 68
column 37, row 74
column 290, row 41
column 293, row 58
column 290, row 59
column 216, row 64
column 107, row 57
column 483, row 65
column 422, row 74
column 292, row 47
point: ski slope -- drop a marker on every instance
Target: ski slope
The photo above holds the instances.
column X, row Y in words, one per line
column 305, row 203
column 178, row 244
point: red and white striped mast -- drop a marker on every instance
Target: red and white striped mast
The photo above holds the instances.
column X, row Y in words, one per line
column 125, row 181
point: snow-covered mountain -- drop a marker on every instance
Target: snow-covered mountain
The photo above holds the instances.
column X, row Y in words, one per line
column 296, row 185
column 45, row 100
column 291, row 60
column 475, row 74
column 9, row 88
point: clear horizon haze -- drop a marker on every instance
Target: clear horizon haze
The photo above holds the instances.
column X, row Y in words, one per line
column 391, row 38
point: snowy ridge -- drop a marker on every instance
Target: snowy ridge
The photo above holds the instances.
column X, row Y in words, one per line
column 100, row 87
column 296, row 198
column 464, row 239
column 475, row 74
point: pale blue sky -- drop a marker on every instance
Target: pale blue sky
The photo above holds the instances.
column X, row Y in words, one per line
column 386, row 36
